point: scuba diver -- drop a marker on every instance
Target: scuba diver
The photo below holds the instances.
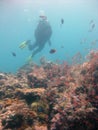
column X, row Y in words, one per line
column 42, row 35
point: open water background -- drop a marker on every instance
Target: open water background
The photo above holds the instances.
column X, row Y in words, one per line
column 19, row 18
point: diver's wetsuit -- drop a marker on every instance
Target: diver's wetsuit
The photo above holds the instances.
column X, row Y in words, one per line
column 42, row 35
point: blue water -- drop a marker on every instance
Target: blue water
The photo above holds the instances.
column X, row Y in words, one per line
column 19, row 18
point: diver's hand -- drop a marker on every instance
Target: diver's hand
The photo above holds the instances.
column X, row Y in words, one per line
column 24, row 44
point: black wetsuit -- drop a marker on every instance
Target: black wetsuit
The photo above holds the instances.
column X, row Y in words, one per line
column 42, row 35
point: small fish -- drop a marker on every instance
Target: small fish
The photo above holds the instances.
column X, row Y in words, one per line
column 52, row 51
column 62, row 46
column 93, row 25
column 43, row 60
column 14, row 54
column 91, row 22
column 43, row 17
column 62, row 22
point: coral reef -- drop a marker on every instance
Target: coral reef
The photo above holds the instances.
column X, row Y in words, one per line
column 51, row 96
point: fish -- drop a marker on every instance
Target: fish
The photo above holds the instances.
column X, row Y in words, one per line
column 43, row 17
column 62, row 22
column 43, row 60
column 92, row 26
column 14, row 54
column 52, row 51
column 91, row 22
column 62, row 46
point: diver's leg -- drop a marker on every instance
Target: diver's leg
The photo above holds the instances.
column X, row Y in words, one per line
column 37, row 50
column 32, row 46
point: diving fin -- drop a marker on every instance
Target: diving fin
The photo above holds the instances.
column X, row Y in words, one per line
column 24, row 44
column 29, row 59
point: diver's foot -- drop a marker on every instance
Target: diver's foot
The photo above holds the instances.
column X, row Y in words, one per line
column 24, row 44
column 29, row 59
